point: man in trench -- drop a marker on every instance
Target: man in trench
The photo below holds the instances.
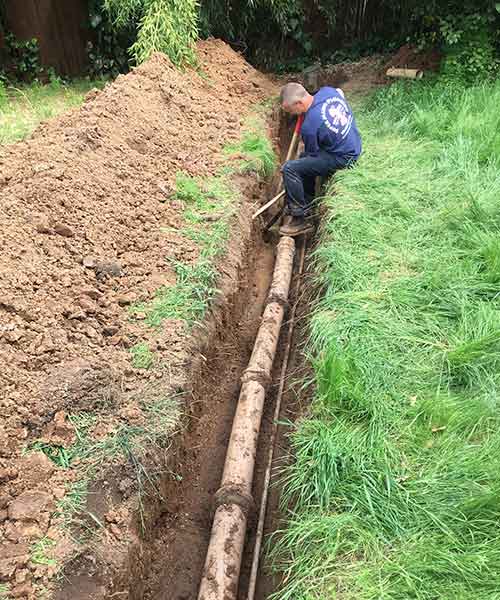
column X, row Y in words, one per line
column 331, row 142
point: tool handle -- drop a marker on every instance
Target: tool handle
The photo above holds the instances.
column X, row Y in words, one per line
column 268, row 204
column 298, row 124
column 295, row 138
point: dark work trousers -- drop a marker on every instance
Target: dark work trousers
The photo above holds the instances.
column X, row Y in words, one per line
column 299, row 178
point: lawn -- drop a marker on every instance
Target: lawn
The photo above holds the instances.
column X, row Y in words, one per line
column 394, row 488
column 23, row 107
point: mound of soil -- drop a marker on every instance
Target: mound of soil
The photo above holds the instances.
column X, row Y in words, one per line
column 358, row 77
column 87, row 227
column 410, row 57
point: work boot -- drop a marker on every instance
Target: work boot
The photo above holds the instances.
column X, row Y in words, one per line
column 297, row 226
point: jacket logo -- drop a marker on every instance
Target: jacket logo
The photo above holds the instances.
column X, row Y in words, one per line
column 336, row 116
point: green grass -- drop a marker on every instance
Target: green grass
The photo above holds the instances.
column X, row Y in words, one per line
column 89, row 455
column 142, row 357
column 394, row 490
column 72, row 506
column 23, row 107
column 254, row 152
column 40, row 552
column 4, row 590
column 209, row 203
column 57, row 454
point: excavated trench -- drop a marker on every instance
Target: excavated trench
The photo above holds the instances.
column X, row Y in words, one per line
column 166, row 557
column 171, row 558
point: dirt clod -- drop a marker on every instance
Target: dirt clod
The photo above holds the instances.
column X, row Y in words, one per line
column 64, row 230
column 29, row 506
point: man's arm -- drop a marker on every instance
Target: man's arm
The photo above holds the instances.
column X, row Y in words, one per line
column 311, row 145
column 326, row 138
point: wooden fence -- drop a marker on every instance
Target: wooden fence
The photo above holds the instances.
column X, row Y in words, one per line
column 60, row 27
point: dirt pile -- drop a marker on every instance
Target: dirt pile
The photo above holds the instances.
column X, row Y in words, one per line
column 410, row 57
column 87, row 228
column 354, row 77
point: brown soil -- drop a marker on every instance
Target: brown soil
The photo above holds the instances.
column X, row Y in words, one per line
column 410, row 57
column 355, row 78
column 85, row 203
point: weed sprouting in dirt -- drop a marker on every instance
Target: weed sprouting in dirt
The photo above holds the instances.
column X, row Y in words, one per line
column 159, row 418
column 188, row 299
column 72, row 506
column 155, row 424
column 4, row 590
column 57, row 454
column 395, row 481
column 142, row 356
column 203, row 198
column 209, row 203
column 41, row 552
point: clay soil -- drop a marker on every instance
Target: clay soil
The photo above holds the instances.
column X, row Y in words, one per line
column 87, row 228
column 410, row 57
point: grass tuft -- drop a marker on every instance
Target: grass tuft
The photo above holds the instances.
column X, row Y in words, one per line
column 209, row 206
column 254, row 152
column 57, row 454
column 142, row 357
column 40, row 552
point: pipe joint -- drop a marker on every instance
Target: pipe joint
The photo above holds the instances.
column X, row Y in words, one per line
column 278, row 297
column 233, row 494
column 257, row 375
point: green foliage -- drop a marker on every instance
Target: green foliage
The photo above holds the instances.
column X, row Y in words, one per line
column 22, row 59
column 188, row 299
column 468, row 123
column 395, row 486
column 264, row 29
column 142, row 357
column 107, row 51
column 57, row 454
column 470, row 51
column 288, row 36
column 72, row 504
column 207, row 212
column 88, row 454
column 468, row 34
column 169, row 26
column 161, row 415
column 3, row 95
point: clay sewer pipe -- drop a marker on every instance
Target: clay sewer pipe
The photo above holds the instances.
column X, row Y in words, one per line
column 234, row 500
column 405, row 73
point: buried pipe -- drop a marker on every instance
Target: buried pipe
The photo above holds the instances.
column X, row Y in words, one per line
column 272, row 442
column 405, row 73
column 234, row 499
